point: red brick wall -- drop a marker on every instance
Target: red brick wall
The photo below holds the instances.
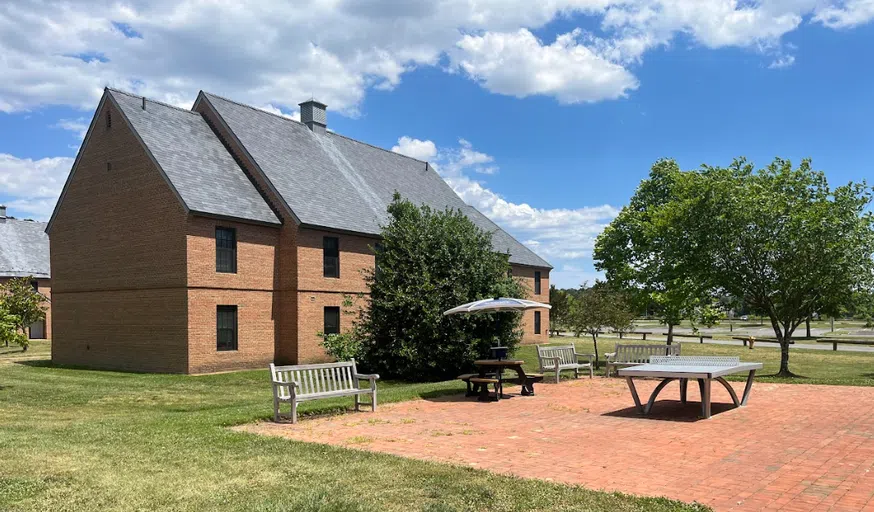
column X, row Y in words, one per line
column 118, row 256
column 250, row 289
column 526, row 275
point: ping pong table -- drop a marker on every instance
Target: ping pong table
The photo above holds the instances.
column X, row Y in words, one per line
column 704, row 369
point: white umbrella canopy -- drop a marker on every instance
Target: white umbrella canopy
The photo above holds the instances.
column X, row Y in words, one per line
column 496, row 304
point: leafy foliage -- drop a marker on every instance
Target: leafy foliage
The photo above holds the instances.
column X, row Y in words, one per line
column 20, row 306
column 558, row 316
column 427, row 262
column 598, row 307
column 779, row 238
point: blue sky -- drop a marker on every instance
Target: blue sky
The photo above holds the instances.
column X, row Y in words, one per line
column 545, row 116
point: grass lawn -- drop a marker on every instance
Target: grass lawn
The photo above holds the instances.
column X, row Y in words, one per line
column 816, row 366
column 93, row 440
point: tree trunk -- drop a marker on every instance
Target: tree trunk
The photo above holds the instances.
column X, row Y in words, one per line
column 595, row 341
column 784, row 359
column 807, row 322
column 670, row 333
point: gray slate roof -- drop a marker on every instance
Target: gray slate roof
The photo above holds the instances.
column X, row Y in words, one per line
column 331, row 181
column 195, row 161
column 24, row 249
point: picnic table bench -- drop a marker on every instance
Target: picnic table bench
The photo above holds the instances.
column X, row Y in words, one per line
column 299, row 383
column 699, row 336
column 847, row 341
column 642, row 333
column 632, row 355
column 491, row 371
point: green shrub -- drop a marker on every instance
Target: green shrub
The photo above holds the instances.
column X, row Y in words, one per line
column 342, row 347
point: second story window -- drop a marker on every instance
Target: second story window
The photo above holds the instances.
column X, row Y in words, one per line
column 331, row 249
column 226, row 250
column 537, row 282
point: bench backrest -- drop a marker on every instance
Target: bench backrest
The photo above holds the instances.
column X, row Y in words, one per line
column 564, row 353
column 316, row 379
column 642, row 353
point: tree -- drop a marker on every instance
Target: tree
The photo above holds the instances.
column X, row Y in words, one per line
column 558, row 315
column 598, row 307
column 636, row 258
column 780, row 238
column 429, row 261
column 20, row 306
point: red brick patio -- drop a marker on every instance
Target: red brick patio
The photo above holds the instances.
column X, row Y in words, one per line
column 793, row 448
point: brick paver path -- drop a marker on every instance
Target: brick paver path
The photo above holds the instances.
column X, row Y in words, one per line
column 793, row 448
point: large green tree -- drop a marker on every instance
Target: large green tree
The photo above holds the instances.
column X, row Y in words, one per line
column 780, row 238
column 636, row 258
column 429, row 261
column 597, row 307
column 20, row 306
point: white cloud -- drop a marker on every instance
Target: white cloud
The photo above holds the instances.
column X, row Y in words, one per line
column 63, row 52
column 849, row 13
column 563, row 236
column 424, row 150
column 32, row 186
column 781, row 62
column 279, row 112
column 518, row 64
column 79, row 126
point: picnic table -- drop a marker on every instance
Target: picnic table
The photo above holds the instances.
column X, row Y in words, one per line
column 704, row 369
column 491, row 371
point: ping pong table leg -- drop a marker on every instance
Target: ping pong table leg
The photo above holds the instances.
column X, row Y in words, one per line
column 705, row 397
column 730, row 390
column 748, row 387
column 684, row 385
column 636, row 398
column 658, row 389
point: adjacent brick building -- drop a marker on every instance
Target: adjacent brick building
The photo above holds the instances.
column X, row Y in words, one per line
column 24, row 252
column 227, row 237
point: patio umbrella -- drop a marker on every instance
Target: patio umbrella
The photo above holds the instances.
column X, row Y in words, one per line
column 497, row 304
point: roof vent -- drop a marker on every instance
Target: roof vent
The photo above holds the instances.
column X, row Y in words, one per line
column 314, row 115
column 2, row 213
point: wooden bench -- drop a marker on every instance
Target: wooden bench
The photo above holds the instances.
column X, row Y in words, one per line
column 642, row 333
column 632, row 355
column 559, row 358
column 699, row 336
column 294, row 384
column 847, row 341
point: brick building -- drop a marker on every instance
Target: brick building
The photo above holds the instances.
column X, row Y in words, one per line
column 24, row 252
column 227, row 237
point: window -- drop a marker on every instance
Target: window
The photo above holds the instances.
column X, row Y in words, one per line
column 537, row 282
column 332, row 320
column 108, row 166
column 537, row 322
column 35, row 285
column 226, row 250
column 226, row 327
column 108, row 119
column 331, row 248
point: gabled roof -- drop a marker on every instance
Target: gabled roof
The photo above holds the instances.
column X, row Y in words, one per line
column 24, row 249
column 198, row 166
column 331, row 181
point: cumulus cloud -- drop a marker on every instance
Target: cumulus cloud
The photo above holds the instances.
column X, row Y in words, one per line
column 63, row 52
column 421, row 149
column 78, row 126
column 518, row 64
column 32, row 186
column 564, row 236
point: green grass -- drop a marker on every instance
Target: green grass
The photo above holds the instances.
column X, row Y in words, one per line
column 815, row 366
column 92, row 440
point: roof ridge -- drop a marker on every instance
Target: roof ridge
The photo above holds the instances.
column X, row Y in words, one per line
column 31, row 221
column 235, row 102
column 331, row 132
column 132, row 95
column 382, row 149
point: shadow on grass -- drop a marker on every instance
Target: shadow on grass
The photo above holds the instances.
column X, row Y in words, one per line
column 47, row 363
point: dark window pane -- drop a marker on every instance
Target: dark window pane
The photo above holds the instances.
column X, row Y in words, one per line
column 332, row 320
column 35, row 285
column 537, row 283
column 331, row 250
column 226, row 327
column 537, row 322
column 226, row 250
